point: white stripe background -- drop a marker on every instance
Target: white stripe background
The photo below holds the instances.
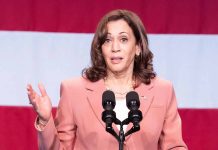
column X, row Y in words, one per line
column 189, row 61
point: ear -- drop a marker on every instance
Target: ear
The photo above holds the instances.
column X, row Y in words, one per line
column 138, row 50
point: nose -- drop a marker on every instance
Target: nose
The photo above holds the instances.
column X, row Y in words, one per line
column 115, row 46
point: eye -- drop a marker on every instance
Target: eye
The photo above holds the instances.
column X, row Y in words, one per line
column 107, row 40
column 123, row 39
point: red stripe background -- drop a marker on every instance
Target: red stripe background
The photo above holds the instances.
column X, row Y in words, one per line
column 18, row 133
column 159, row 16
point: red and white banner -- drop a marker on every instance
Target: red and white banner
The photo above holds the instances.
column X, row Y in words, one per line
column 49, row 40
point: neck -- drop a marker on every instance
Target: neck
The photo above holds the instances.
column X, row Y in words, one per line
column 119, row 84
column 120, row 78
column 119, row 81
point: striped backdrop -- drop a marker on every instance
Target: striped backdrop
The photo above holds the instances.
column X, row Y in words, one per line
column 49, row 40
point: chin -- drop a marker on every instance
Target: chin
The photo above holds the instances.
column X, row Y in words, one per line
column 117, row 71
column 117, row 68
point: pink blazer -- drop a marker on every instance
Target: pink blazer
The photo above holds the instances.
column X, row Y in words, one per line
column 78, row 124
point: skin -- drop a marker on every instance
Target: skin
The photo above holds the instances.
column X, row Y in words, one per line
column 40, row 102
column 118, row 51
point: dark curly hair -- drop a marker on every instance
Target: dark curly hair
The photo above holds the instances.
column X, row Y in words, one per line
column 143, row 67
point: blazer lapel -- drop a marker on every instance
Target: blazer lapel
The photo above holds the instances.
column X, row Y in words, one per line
column 94, row 92
column 94, row 97
column 146, row 95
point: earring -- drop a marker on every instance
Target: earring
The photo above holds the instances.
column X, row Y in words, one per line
column 137, row 54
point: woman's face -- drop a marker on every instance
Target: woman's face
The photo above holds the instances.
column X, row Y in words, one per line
column 119, row 48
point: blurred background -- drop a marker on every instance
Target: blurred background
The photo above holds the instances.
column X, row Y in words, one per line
column 49, row 40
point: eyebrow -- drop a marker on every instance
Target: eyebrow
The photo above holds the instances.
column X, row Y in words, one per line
column 123, row 32
column 119, row 33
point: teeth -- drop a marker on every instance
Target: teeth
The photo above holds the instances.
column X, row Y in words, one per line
column 116, row 58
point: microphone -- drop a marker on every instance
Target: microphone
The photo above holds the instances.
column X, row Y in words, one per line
column 108, row 100
column 132, row 100
column 133, row 103
column 109, row 116
column 108, row 103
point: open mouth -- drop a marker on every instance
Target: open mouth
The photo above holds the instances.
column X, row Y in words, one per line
column 116, row 60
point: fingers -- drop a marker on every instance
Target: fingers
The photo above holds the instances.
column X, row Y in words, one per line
column 31, row 93
column 42, row 89
column 35, row 98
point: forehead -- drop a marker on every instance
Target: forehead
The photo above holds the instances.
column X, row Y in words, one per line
column 118, row 26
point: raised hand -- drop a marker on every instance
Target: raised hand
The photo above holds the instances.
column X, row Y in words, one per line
column 41, row 103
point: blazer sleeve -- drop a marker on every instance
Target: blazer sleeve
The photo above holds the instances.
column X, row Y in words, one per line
column 61, row 132
column 171, row 136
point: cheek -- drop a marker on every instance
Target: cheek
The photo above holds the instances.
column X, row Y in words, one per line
column 131, row 54
column 130, row 49
column 105, row 51
column 105, row 55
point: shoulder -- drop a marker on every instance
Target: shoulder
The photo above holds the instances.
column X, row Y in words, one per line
column 159, row 82
column 162, row 87
column 74, row 82
column 163, row 91
column 73, row 87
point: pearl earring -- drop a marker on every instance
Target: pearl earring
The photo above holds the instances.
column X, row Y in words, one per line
column 137, row 54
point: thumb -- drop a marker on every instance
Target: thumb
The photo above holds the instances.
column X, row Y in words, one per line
column 42, row 89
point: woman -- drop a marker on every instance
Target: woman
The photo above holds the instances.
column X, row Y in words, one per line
column 121, row 62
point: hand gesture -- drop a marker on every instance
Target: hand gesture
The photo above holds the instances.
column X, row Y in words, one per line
column 41, row 103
